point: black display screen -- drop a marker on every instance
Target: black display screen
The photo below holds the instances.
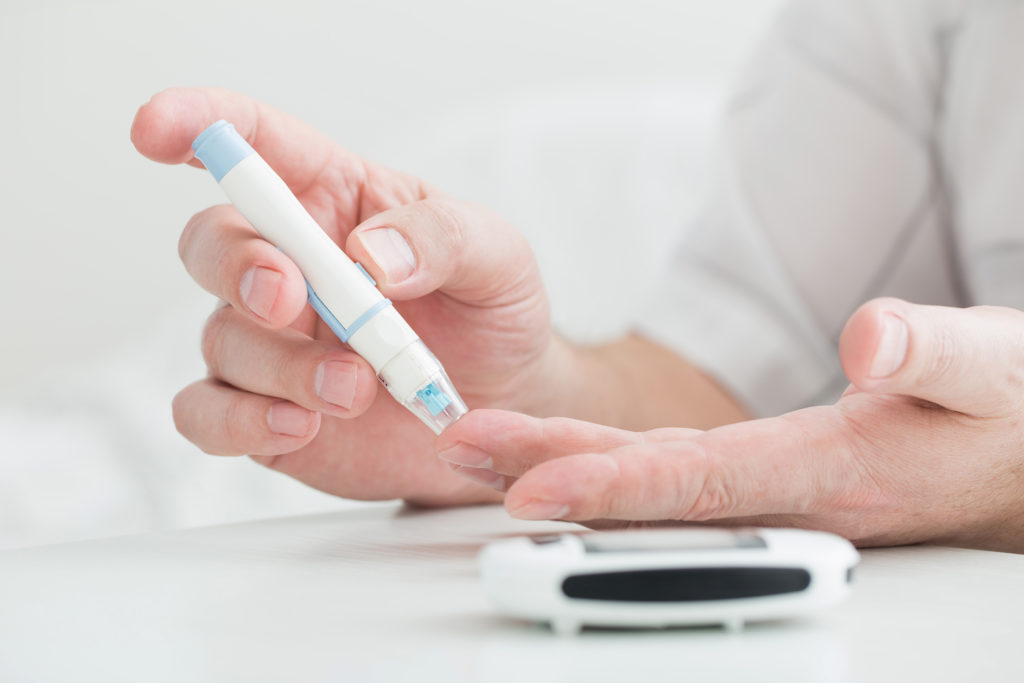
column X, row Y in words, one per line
column 691, row 584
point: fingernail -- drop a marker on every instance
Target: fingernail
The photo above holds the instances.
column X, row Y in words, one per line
column 464, row 454
column 392, row 254
column 541, row 509
column 335, row 382
column 481, row 476
column 288, row 419
column 259, row 290
column 892, row 348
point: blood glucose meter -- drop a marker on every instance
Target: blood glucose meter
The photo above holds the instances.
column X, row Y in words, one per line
column 666, row 577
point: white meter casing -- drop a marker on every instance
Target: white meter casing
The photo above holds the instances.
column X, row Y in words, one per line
column 667, row 577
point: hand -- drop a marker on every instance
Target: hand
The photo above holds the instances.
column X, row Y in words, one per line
column 280, row 386
column 926, row 445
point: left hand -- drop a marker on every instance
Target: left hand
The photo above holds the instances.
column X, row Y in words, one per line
column 926, row 445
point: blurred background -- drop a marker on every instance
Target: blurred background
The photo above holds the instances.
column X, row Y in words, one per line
column 589, row 125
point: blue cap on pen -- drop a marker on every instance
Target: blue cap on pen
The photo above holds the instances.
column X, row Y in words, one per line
column 220, row 148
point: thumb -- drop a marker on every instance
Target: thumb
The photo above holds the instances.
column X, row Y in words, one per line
column 966, row 359
column 462, row 249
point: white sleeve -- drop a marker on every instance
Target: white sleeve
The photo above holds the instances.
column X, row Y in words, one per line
column 828, row 192
column 983, row 148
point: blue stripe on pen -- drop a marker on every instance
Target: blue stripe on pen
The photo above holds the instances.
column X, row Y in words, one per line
column 343, row 333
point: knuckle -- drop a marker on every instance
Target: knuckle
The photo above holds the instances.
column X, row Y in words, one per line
column 860, row 482
column 611, row 499
column 1009, row 322
column 714, row 498
column 1002, row 313
column 294, row 369
column 446, row 219
column 940, row 358
column 238, row 426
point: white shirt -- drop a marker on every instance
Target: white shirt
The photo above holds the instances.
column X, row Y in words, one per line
column 873, row 148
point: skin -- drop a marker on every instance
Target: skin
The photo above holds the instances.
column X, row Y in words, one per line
column 474, row 296
column 932, row 451
column 926, row 445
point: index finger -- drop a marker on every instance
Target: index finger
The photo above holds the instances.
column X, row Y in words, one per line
column 794, row 464
column 164, row 128
column 513, row 443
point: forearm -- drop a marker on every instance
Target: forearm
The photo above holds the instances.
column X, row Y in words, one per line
column 634, row 384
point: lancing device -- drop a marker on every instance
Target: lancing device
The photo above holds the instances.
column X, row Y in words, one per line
column 341, row 291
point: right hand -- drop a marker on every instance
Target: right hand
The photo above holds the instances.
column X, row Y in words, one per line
column 281, row 387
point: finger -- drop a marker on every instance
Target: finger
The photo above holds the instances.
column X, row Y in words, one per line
column 287, row 364
column 226, row 257
column 339, row 188
column 967, row 360
column 225, row 421
column 789, row 465
column 850, row 390
column 462, row 249
column 165, row 127
column 483, row 476
column 510, row 443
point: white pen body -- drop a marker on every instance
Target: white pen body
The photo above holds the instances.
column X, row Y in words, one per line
column 266, row 202
column 341, row 292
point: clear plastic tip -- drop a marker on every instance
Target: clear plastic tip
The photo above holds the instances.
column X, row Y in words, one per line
column 437, row 404
column 416, row 379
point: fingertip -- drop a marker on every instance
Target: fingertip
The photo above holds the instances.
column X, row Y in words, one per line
column 270, row 297
column 347, row 384
column 226, row 257
column 367, row 389
column 270, row 288
column 480, row 427
column 410, row 250
column 165, row 126
column 455, row 433
column 291, row 300
column 387, row 254
column 292, row 421
column 519, row 495
column 581, row 483
column 222, row 420
column 860, row 344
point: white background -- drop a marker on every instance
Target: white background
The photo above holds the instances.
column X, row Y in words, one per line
column 587, row 124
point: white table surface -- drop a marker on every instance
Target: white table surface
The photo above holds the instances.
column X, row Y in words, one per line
column 386, row 594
